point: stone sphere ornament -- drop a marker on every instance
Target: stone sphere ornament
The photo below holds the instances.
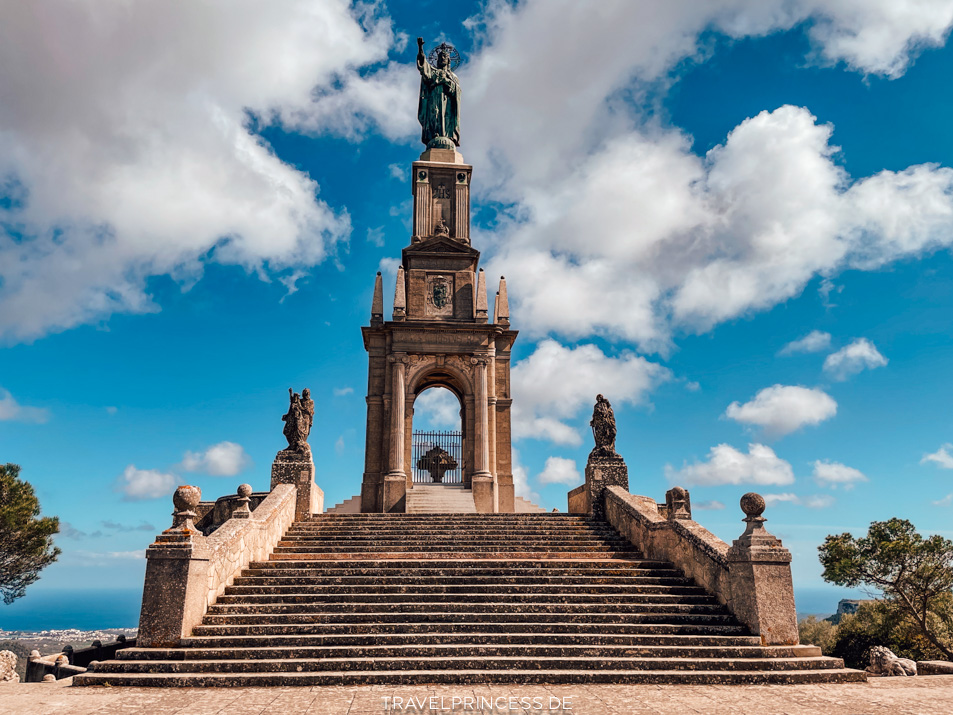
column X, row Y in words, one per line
column 752, row 504
column 186, row 498
column 244, row 490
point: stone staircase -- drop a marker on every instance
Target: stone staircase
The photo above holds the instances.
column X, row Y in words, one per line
column 440, row 499
column 463, row 598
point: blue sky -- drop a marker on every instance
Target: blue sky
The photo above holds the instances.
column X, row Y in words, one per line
column 194, row 202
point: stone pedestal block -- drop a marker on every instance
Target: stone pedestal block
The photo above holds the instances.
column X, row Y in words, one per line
column 173, row 597
column 482, row 485
column 604, row 470
column 759, row 572
column 395, row 493
column 506, row 494
column 298, row 470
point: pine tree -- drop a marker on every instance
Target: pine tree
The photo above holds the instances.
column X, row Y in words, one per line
column 26, row 541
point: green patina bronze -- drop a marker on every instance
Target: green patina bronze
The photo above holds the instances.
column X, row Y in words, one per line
column 438, row 110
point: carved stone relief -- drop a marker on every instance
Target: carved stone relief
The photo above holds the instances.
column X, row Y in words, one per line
column 439, row 295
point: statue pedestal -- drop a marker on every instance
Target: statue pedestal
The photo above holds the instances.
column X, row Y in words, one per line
column 298, row 469
column 604, row 469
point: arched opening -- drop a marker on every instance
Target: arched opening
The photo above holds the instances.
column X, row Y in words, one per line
column 437, row 453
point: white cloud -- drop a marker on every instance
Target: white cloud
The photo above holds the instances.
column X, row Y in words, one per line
column 813, row 342
column 781, row 409
column 945, row 501
column 339, row 445
column 942, row 457
column 225, row 459
column 727, row 465
column 556, row 382
column 13, row 411
column 128, row 151
column 861, row 354
column 136, row 484
column 712, row 504
column 437, row 408
column 834, row 474
column 375, row 236
column 342, row 391
column 521, row 487
column 103, row 558
column 816, row 501
column 559, row 470
column 112, row 409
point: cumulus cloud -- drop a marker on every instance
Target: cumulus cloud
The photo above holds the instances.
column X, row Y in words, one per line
column 816, row 501
column 813, row 342
column 437, row 408
column 712, row 504
column 835, row 474
column 521, row 486
column 945, row 501
column 11, row 410
column 129, row 148
column 860, row 355
column 225, row 459
column 556, row 383
column 781, row 409
column 137, row 484
column 942, row 457
column 559, row 470
column 727, row 465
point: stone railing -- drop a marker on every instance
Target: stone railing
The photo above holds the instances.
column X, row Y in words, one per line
column 186, row 571
column 72, row 661
column 752, row 577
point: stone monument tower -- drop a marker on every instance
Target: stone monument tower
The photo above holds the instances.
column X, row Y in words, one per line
column 440, row 332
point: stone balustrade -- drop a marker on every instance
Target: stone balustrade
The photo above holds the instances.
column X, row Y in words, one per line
column 752, row 577
column 186, row 571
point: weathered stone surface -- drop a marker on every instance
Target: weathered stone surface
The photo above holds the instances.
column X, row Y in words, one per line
column 934, row 667
column 186, row 572
column 8, row 667
column 298, row 470
column 603, row 472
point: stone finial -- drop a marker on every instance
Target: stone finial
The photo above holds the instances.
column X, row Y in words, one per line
column 400, row 297
column 243, row 511
column 49, row 678
column 185, row 499
column 377, row 304
column 501, row 309
column 62, row 659
column 678, row 504
column 481, row 296
column 755, row 535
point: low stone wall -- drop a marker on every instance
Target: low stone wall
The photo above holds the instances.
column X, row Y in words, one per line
column 752, row 577
column 684, row 542
column 579, row 500
column 186, row 571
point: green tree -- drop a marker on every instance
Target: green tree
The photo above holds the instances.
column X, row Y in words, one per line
column 821, row 633
column 26, row 541
column 915, row 575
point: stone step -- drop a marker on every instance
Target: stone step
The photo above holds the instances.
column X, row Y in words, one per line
column 463, row 662
column 348, row 596
column 485, row 566
column 476, row 583
column 475, row 677
column 414, row 650
column 473, row 638
column 521, row 606
column 467, row 625
column 467, row 553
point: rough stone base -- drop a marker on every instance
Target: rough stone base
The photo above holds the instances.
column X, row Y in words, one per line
column 298, row 469
column 604, row 470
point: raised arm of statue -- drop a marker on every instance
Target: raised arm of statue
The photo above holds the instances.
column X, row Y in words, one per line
column 423, row 66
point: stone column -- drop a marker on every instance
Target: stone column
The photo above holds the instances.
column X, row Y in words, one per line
column 482, row 477
column 395, row 481
column 759, row 573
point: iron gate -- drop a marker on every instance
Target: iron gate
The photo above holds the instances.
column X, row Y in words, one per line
column 438, row 457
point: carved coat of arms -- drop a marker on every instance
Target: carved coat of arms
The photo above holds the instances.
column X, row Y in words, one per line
column 439, row 295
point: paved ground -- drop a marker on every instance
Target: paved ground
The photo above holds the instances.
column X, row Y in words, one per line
column 924, row 695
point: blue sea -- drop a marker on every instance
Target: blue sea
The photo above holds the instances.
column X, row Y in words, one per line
column 85, row 610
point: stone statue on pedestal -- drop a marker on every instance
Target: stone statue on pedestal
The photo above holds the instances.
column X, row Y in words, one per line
column 603, row 428
column 298, row 422
column 438, row 110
